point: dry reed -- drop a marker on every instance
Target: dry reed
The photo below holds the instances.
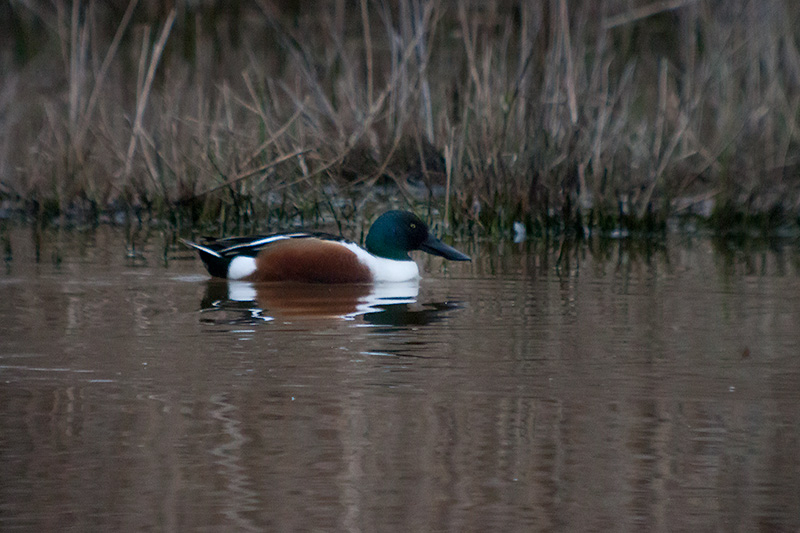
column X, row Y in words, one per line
column 559, row 114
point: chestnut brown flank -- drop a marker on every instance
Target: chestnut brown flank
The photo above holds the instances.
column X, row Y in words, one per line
column 309, row 260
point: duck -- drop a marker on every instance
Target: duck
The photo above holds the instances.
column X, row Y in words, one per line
column 316, row 257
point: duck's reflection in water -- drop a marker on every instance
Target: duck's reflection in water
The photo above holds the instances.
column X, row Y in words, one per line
column 386, row 304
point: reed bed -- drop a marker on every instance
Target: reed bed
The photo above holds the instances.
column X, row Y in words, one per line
column 560, row 115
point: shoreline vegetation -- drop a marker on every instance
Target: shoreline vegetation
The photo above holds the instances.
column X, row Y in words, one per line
column 556, row 116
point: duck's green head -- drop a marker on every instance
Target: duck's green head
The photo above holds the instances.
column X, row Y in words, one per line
column 396, row 233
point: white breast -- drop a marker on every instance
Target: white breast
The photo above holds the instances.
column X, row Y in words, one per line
column 385, row 270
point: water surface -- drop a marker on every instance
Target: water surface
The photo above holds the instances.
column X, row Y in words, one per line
column 620, row 387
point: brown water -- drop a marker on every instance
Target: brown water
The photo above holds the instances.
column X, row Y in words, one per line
column 610, row 391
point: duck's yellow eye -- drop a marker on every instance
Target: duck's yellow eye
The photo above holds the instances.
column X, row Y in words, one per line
column 413, row 226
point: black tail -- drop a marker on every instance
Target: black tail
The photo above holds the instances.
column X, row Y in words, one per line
column 216, row 264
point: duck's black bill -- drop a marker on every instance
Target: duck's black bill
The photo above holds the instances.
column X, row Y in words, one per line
column 434, row 246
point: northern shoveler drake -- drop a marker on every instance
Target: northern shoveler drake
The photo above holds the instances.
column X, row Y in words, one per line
column 324, row 258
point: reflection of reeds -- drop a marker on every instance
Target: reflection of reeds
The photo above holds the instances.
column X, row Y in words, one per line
column 557, row 112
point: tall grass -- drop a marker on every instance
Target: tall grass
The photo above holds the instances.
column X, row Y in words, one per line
column 561, row 113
